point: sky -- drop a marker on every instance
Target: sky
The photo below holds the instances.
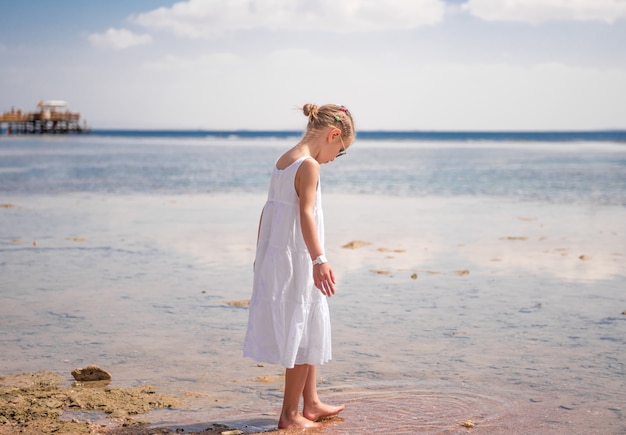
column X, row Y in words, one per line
column 429, row 65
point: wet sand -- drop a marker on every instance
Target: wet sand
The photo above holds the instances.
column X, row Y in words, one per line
column 449, row 310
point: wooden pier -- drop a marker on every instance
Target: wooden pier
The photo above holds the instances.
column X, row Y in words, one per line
column 51, row 118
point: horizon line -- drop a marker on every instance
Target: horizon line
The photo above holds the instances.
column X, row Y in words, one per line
column 252, row 130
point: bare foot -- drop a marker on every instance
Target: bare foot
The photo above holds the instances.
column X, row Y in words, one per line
column 296, row 422
column 319, row 410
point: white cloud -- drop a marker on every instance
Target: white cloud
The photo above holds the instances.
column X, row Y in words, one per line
column 229, row 91
column 538, row 11
column 201, row 63
column 541, row 97
column 208, row 18
column 119, row 39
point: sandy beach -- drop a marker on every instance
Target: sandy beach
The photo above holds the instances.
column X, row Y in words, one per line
column 450, row 311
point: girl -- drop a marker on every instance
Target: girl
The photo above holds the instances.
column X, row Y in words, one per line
column 289, row 322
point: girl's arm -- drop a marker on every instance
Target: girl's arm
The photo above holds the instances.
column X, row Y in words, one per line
column 306, row 188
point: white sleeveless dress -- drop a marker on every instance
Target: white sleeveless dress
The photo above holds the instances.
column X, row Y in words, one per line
column 289, row 320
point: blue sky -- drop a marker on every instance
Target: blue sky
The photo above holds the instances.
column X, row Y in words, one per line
column 397, row 64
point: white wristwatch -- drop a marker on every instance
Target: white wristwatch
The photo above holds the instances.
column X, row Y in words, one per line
column 320, row 260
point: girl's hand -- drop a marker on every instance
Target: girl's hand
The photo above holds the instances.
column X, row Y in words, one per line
column 324, row 279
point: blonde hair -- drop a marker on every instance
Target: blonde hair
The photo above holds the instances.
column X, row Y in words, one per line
column 329, row 115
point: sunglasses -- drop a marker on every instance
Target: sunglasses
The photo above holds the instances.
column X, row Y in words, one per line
column 343, row 149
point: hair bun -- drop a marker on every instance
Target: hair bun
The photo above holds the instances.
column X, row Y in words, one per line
column 310, row 110
column 329, row 115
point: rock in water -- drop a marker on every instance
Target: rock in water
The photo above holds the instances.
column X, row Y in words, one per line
column 91, row 373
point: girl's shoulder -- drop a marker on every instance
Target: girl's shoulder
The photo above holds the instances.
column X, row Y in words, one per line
column 308, row 164
column 308, row 173
column 289, row 159
column 286, row 160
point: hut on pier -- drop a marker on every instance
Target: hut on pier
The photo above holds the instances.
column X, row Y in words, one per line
column 52, row 117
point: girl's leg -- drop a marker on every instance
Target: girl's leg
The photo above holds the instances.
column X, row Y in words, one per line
column 313, row 406
column 295, row 380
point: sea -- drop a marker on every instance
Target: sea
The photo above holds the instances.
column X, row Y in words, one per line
column 481, row 275
column 559, row 167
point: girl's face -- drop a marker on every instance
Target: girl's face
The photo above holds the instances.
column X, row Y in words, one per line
column 333, row 148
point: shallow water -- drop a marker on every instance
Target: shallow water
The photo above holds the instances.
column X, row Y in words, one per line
column 531, row 339
column 489, row 295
